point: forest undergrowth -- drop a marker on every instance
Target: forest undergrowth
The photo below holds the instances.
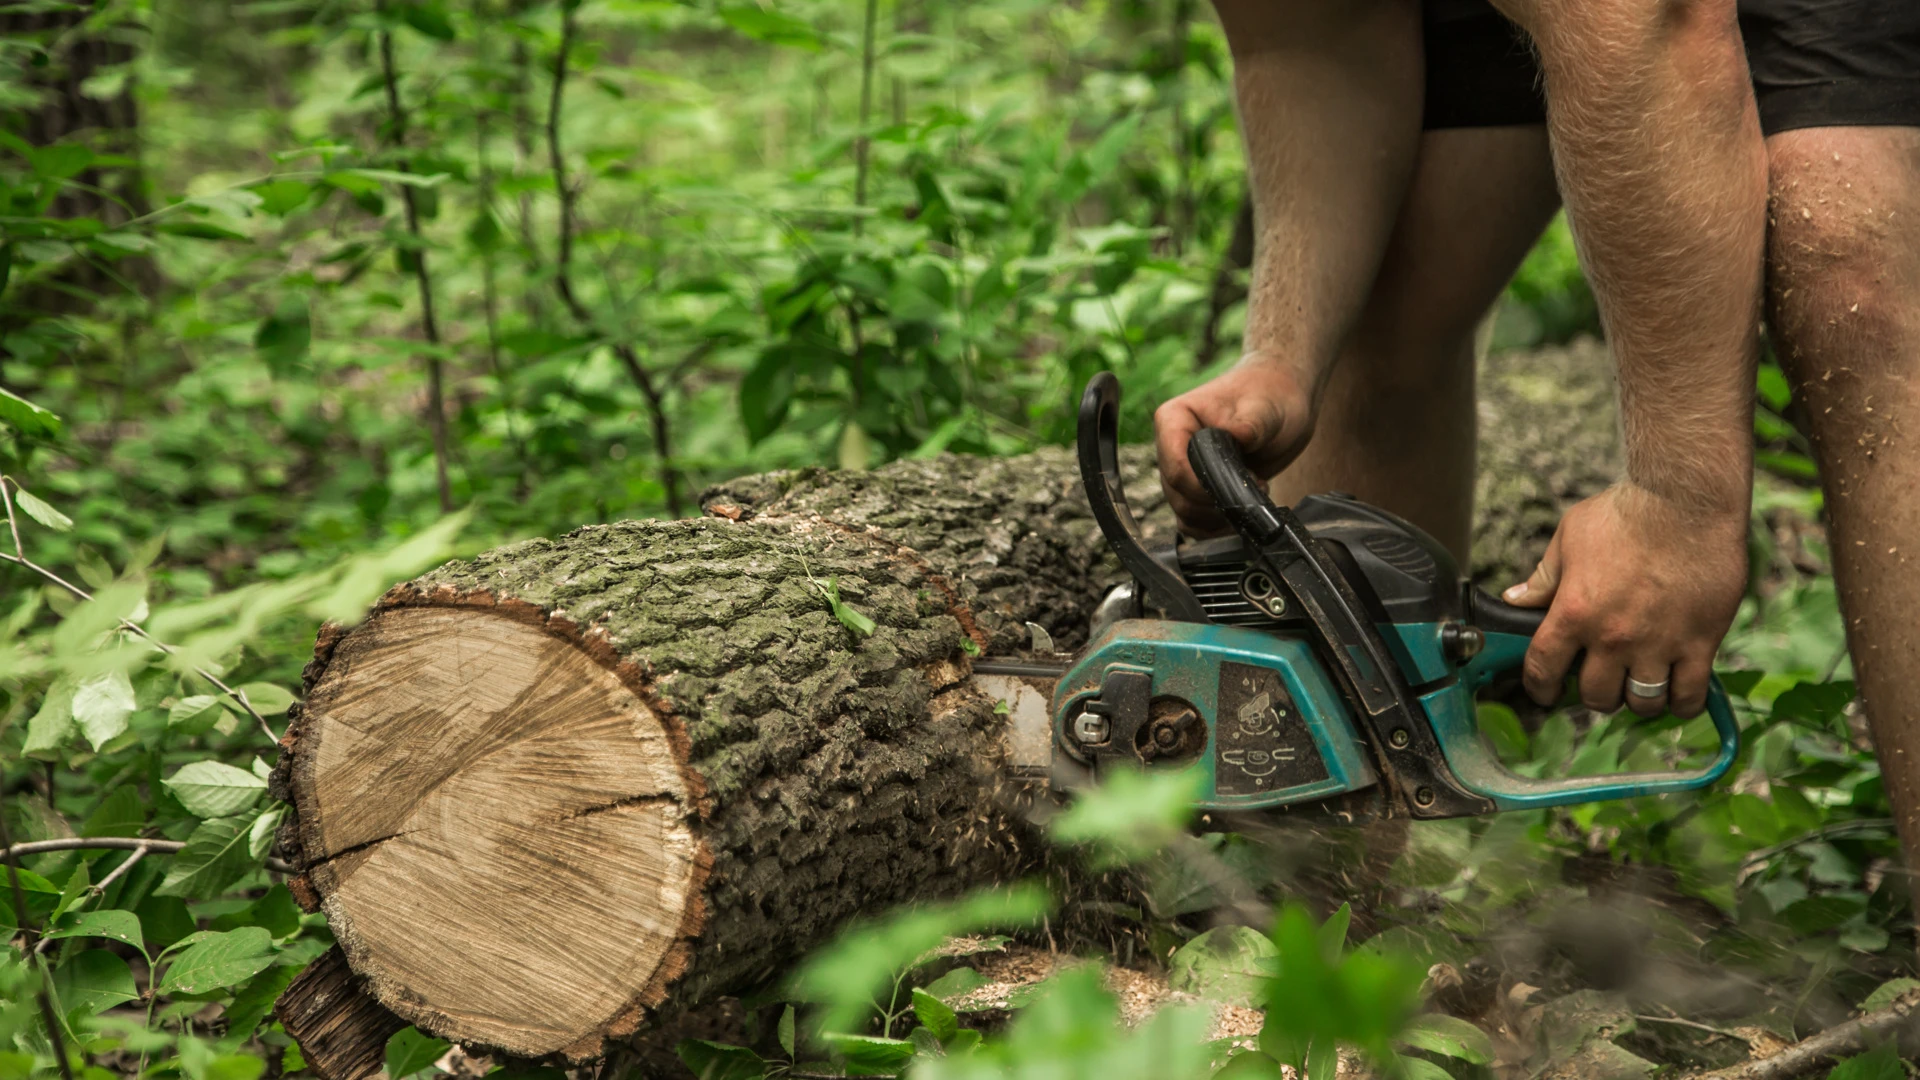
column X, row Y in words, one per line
column 302, row 297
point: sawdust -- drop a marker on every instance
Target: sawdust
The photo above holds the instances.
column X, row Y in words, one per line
column 1013, row 972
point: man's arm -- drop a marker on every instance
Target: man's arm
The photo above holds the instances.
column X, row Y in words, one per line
column 1663, row 171
column 1329, row 100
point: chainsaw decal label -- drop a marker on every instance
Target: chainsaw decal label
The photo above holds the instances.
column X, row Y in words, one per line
column 1261, row 743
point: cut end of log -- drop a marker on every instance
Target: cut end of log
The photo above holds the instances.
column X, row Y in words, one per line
column 500, row 823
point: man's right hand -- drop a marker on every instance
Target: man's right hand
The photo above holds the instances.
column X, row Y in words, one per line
column 1263, row 403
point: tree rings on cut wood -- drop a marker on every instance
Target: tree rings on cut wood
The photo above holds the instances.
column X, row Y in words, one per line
column 498, row 820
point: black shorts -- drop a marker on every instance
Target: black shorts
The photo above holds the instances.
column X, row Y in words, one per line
column 1815, row 63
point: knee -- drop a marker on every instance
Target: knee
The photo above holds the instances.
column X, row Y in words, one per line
column 1833, row 257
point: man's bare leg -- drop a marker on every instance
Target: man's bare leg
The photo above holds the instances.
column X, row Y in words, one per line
column 1397, row 419
column 1329, row 96
column 1844, row 276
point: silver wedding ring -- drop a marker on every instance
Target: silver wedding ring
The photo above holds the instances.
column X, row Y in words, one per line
column 1646, row 689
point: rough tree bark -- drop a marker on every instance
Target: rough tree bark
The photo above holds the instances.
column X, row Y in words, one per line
column 556, row 790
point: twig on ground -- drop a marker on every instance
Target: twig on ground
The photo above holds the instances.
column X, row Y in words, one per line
column 1838, row 1041
column 116, row 843
column 19, row 557
column 1694, row 1024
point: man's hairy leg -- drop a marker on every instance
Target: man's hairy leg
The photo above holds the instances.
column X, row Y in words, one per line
column 1844, row 263
column 1329, row 98
column 1396, row 424
column 1663, row 171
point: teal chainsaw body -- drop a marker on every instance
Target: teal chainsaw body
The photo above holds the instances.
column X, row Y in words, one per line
column 1324, row 649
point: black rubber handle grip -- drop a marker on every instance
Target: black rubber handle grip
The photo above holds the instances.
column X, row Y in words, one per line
column 1496, row 616
column 1242, row 500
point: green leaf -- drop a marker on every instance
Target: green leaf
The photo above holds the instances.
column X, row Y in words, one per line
column 1131, row 814
column 1880, row 1063
column 845, row 974
column 216, row 960
column 95, row 980
column 1227, row 963
column 52, row 726
column 766, row 392
column 720, row 1061
column 260, row 833
column 284, row 337
column 869, row 1055
column 785, row 1030
column 934, row 1015
column 957, row 983
column 430, row 19
column 1889, row 992
column 196, row 714
column 216, row 856
column 1449, row 1036
column 267, row 699
column 40, row 511
column 101, row 706
column 253, row 1002
column 276, row 913
column 1250, row 1065
column 849, row 618
column 29, row 419
column 119, row 814
column 1413, row 1068
column 114, row 924
column 770, row 26
column 411, row 1050
column 76, row 888
column 213, row 789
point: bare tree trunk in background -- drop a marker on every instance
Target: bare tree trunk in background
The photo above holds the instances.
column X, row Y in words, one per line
column 103, row 117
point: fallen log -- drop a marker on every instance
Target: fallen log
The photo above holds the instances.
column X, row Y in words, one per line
column 551, row 792
column 537, row 792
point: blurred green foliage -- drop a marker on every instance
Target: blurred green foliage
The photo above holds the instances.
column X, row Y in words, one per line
column 665, row 243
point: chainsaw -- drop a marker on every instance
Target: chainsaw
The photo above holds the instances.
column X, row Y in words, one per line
column 1321, row 649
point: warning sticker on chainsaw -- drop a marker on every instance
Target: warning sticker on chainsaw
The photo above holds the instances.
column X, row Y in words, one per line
column 1261, row 743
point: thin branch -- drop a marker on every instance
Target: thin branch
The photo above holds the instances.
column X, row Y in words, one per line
column 861, row 144
column 429, row 326
column 1838, row 1041
column 117, row 843
column 563, row 272
column 1755, row 858
column 489, row 286
column 20, row 557
column 100, row 887
column 48, row 1014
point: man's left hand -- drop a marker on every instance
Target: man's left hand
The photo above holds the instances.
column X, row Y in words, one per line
column 1648, row 587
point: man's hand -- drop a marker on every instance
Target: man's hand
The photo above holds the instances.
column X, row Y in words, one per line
column 1647, row 587
column 1263, row 403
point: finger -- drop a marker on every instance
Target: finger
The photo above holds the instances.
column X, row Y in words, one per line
column 1538, row 590
column 1687, row 697
column 1544, row 672
column 1173, row 427
column 1652, row 672
column 1603, row 678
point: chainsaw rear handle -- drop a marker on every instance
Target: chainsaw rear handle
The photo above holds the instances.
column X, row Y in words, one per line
column 1508, row 633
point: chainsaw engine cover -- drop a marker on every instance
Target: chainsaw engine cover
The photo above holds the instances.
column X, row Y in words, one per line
column 1252, row 712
